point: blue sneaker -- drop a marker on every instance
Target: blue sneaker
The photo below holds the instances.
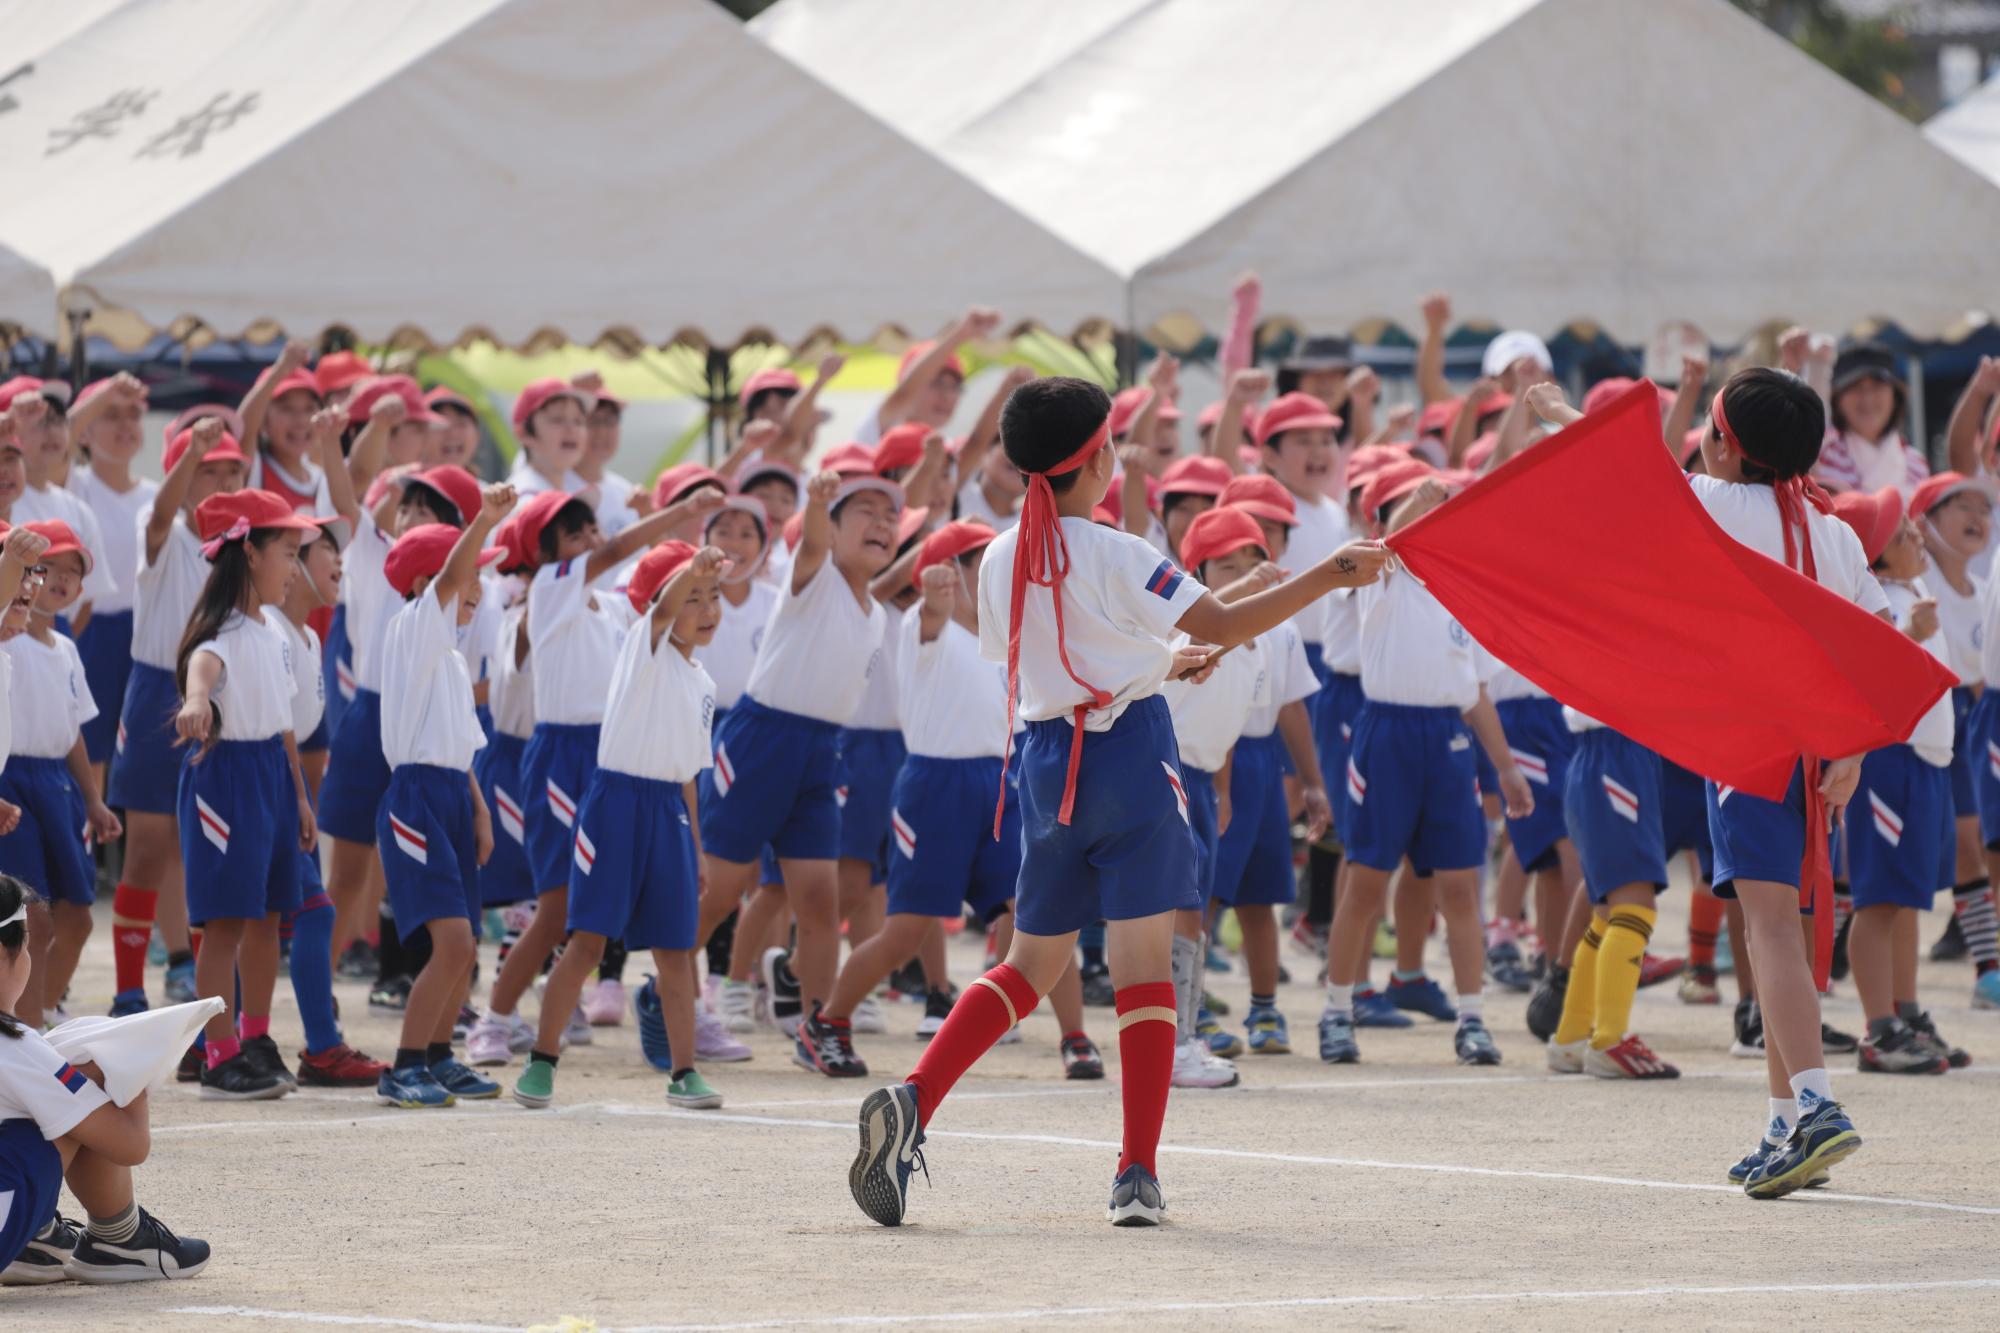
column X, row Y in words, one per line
column 652, row 1026
column 891, row 1144
column 156, row 951
column 1135, row 1199
column 1474, row 1044
column 1336, row 1039
column 1422, row 996
column 463, row 1082
column 1225, row 1044
column 1372, row 1009
column 180, row 983
column 1986, row 991
column 128, row 1002
column 411, row 1089
column 1758, row 1156
column 1268, row 1033
column 1823, row 1137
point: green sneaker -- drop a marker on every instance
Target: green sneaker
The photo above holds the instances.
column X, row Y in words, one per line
column 536, row 1087
column 691, row 1092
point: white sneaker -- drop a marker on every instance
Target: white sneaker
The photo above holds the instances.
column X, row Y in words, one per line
column 578, row 1032
column 867, row 1017
column 735, row 1006
column 712, row 1041
column 486, row 1045
column 1011, row 1037
column 521, row 1034
column 760, row 1007
column 1566, row 1057
column 1196, row 1067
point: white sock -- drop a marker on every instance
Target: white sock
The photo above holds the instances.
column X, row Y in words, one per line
column 1186, row 967
column 1339, row 999
column 1811, row 1088
column 1783, row 1114
column 1472, row 1006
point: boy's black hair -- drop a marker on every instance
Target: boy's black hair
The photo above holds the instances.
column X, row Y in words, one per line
column 442, row 510
column 1779, row 417
column 1046, row 420
column 763, row 396
column 573, row 517
column 1169, row 499
column 13, row 896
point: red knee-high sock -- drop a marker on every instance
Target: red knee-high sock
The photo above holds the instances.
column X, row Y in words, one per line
column 1705, row 912
column 981, row 1016
column 132, row 911
column 1146, row 1036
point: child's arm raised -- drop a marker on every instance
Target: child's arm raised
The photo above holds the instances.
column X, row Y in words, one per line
column 1687, row 401
column 940, row 594
column 1962, row 437
column 978, row 322
column 802, row 413
column 1364, row 386
column 1239, row 345
column 1211, row 620
column 650, row 529
column 371, row 447
column 174, row 487
column 1484, row 720
column 326, row 428
column 1431, row 383
column 986, row 430
column 1550, row 405
column 21, row 553
column 816, row 531
column 125, row 387
column 1246, row 388
column 759, row 437
column 258, row 401
column 461, row 568
column 703, row 571
column 1467, row 420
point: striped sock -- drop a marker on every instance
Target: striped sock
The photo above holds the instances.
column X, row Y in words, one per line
column 1146, row 1035
column 1973, row 904
column 1619, row 960
column 1580, row 1000
column 118, row 1228
column 1705, row 917
column 982, row 1015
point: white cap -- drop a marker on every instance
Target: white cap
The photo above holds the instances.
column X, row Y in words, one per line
column 1510, row 347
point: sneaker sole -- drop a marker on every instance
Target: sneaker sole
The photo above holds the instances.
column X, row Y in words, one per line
column 271, row 1094
column 406, row 1104
column 707, row 1103
column 1084, row 1073
column 1134, row 1214
column 494, row 1095
column 871, row 1180
column 1743, row 1052
column 1818, row 1165
column 735, row 1055
column 532, row 1102
column 1482, row 1059
column 24, row 1274
column 1272, row 1048
column 128, row 1273
column 1340, row 1058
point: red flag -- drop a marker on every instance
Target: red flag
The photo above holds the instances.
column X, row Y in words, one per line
column 1588, row 566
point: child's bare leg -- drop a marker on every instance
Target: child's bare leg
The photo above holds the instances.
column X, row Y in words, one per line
column 257, row 966
column 1870, row 945
column 1739, row 949
column 862, row 904
column 1416, row 903
column 72, row 922
column 567, row 979
column 1356, row 909
column 102, row 1186
column 433, row 995
column 1066, row 997
column 347, row 875
column 677, row 998
column 215, row 974
column 1510, row 894
column 1259, row 924
column 1903, row 958
column 1785, row 990
column 875, row 958
column 762, row 909
column 1458, row 899
column 937, row 976
column 525, row 959
column 813, row 890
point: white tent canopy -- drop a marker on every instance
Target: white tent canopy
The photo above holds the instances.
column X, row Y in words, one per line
column 1970, row 131
column 452, row 168
column 1547, row 161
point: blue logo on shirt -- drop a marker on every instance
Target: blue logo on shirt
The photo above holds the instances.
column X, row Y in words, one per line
column 69, row 1078
column 1459, row 636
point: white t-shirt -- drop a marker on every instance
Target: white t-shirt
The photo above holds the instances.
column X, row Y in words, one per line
column 118, row 515
column 371, row 602
column 49, row 697
column 1412, row 651
column 1322, row 530
column 1989, row 631
column 1580, row 722
column 1959, row 626
column 1210, row 716
column 1340, row 650
column 6, row 709
column 53, row 502
column 1508, row 684
column 257, row 682
column 1121, row 601
column 954, row 700
column 817, row 649
column 37, row 1083
column 510, row 689
column 309, row 704
column 1285, row 677
column 574, row 636
column 656, row 724
column 972, row 505
column 878, row 710
column 730, row 655
column 1750, row 515
column 614, row 503
column 1932, row 739
column 166, row 592
column 427, row 710
column 526, row 481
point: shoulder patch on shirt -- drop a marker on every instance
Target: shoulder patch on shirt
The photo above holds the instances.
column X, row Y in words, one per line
column 1165, row 581
column 562, row 570
column 70, row 1079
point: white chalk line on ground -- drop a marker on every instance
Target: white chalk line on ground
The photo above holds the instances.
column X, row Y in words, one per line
column 1101, row 1311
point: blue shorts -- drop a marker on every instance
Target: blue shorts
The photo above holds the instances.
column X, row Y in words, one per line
column 1129, row 849
column 1204, row 818
column 1541, row 743
column 1964, row 752
column 336, row 668
column 46, row 850
column 1902, row 842
column 1253, row 858
column 865, row 770
column 1412, row 790
column 1684, row 815
column 357, row 773
column 506, row 877
column 1334, row 710
column 320, row 741
column 239, row 820
column 31, row 1177
column 145, row 761
column 944, row 856
column 556, row 765
column 1615, row 813
column 633, row 875
column 772, row 785
column 1484, row 773
column 430, row 854
column 1755, row 838
column 106, row 650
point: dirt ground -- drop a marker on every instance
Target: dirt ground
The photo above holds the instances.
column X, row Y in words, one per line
column 1404, row 1192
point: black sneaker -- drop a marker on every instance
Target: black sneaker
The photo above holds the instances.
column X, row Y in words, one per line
column 937, row 1008
column 153, row 1253
column 389, row 997
column 193, row 1061
column 908, row 981
column 1135, row 1199
column 1950, row 946
column 1836, row 1042
column 1098, row 992
column 1838, row 967
column 827, row 1047
column 359, row 962
column 1954, row 1056
column 263, row 1054
column 239, row 1079
column 1747, row 1037
column 786, row 1004
column 1545, row 1006
column 45, row 1258
column 1895, row 1048
column 1080, row 1058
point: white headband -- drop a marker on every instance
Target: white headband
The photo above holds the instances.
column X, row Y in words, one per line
column 20, row 914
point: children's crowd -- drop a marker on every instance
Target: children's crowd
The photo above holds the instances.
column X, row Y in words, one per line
column 1093, row 684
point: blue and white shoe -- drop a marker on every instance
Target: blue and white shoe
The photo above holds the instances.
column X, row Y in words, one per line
column 1373, row 1010
column 1336, row 1039
column 1422, row 996
column 1268, row 1033
column 411, row 1089
column 652, row 1026
column 128, row 1002
column 1823, row 1138
column 180, row 983
column 464, row 1082
column 892, row 1141
column 1136, row 1200
column 1758, row 1156
column 1219, row 1041
column 1474, row 1044
column 1986, row 991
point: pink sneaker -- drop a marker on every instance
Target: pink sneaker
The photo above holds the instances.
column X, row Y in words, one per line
column 605, row 1005
column 712, row 1041
column 486, row 1045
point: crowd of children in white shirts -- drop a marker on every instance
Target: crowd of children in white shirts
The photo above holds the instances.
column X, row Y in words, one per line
column 320, row 674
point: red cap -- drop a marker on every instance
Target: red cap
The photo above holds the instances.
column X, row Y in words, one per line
column 232, row 423
column 1369, row 459
column 1497, row 401
column 953, row 540
column 299, row 381
column 919, row 349
column 1294, row 411
column 909, row 524
column 1392, row 482
column 21, row 384
column 535, row 515
column 542, row 392
column 95, row 387
column 795, row 529
column 1260, row 497
column 1126, row 407
column 869, row 482
column 1218, row 532
column 849, row 460
column 1436, row 418
column 388, row 386
column 507, row 540
column 1936, row 489
column 1199, row 475
column 655, row 570
column 1480, row 451
column 1101, row 514
column 234, row 515
column 62, row 540
column 422, row 551
column 902, row 447
column 445, row 396
column 1873, row 515
column 455, row 484
column 338, row 370
column 784, row 381
column 681, row 478
column 1209, row 415
column 225, row 450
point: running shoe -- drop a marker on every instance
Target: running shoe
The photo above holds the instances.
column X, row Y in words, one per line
column 1098, row 992
column 1221, row 1042
column 1474, row 1044
column 577, row 1032
column 1836, row 1042
column 786, row 1005
column 1545, row 1006
column 937, row 1008
column 892, row 1144
column 604, row 1005
column 263, row 1053
column 180, row 982
column 359, row 963
column 1954, row 1056
column 156, row 949
column 1216, row 961
column 1566, row 1057
column 391, row 996
column 1630, row 1058
column 1421, row 996
column 1698, row 986
column 907, row 982
column 1654, row 969
column 1372, row 1009
column 1747, row 1038
column 1756, row 1158
column 151, row 1254
column 339, row 1067
column 411, row 1089
column 715, row 1043
column 241, row 1079
column 1214, row 1003
column 1135, row 1199
column 691, row 1092
column 486, row 1046
column 536, row 1087
column 193, row 1061
column 521, row 1034
column 128, row 1002
column 1336, row 1039
column 1268, row 1033
column 1900, row 1050
column 1080, row 1058
column 1986, row 991
column 826, row 1046
column 653, row 1043
column 735, row 1005
column 1196, row 1067
column 1823, row 1138
column 461, row 1027
column 47, row 1256
column 1950, row 946
column 1508, row 969
column 462, row 1082
column 867, row 1017
column 1309, row 937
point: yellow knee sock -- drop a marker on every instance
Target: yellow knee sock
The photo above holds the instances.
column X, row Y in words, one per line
column 1618, row 964
column 1580, row 1002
